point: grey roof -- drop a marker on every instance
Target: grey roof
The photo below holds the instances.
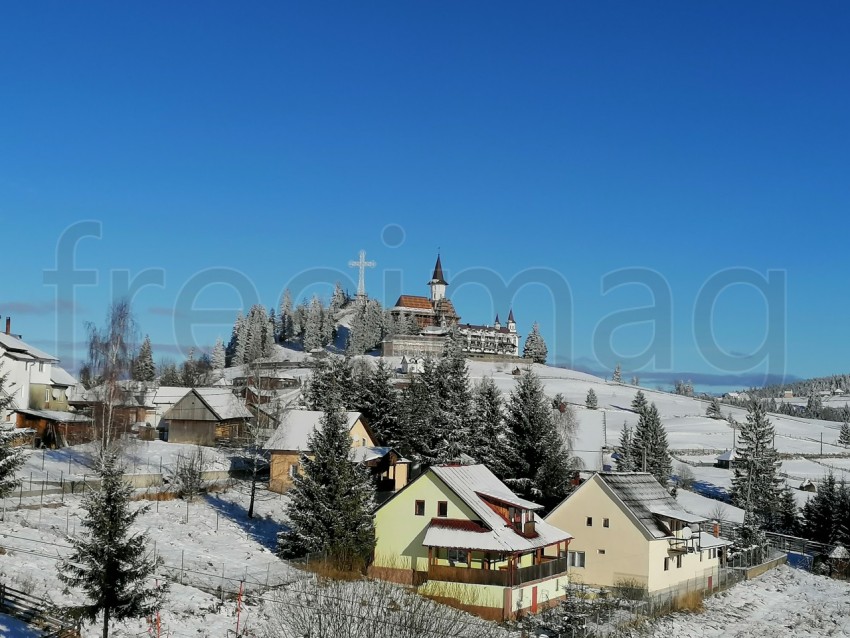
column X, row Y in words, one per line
column 223, row 403
column 57, row 416
column 728, row 455
column 17, row 349
column 646, row 499
column 60, row 376
column 296, row 426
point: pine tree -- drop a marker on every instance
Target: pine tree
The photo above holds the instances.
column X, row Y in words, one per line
column 755, row 485
column 489, row 440
column 625, row 451
column 821, row 512
column 338, row 300
column 332, row 502
column 218, row 355
column 639, row 403
column 454, row 415
column 617, row 377
column 539, row 466
column 287, row 331
column 844, row 435
column 313, row 328
column 367, row 328
column 169, row 375
column 535, row 347
column 332, row 375
column 109, row 562
column 713, row 409
column 11, row 456
column 650, row 450
column 788, row 517
column 379, row 403
column 417, row 416
column 143, row 366
column 591, row 401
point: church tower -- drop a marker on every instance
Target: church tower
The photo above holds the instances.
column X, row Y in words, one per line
column 511, row 322
column 497, row 324
column 438, row 283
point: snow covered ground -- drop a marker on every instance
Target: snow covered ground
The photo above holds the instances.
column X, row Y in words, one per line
column 14, row 628
column 783, row 602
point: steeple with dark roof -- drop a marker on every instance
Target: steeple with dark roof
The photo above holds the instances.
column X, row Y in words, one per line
column 438, row 283
column 437, row 278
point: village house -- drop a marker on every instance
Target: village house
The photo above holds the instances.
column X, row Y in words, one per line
column 458, row 532
column 205, row 416
column 291, row 439
column 727, row 460
column 630, row 532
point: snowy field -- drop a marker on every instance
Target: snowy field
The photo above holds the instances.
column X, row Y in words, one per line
column 14, row 628
column 783, row 602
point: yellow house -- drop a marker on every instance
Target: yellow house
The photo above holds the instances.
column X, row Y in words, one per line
column 457, row 532
column 292, row 436
column 630, row 532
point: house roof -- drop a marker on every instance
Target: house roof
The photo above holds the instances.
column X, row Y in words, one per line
column 56, row 416
column 414, row 302
column 471, row 326
column 296, row 426
column 728, row 455
column 709, row 541
column 472, row 484
column 223, row 403
column 18, row 349
column 59, row 376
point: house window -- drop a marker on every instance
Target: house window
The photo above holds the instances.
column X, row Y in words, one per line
column 46, row 395
column 589, row 521
column 41, row 366
column 442, row 509
column 601, row 552
column 678, row 561
column 666, row 564
column 419, row 508
column 605, row 522
column 700, row 557
column 575, row 559
column 293, row 470
column 456, row 555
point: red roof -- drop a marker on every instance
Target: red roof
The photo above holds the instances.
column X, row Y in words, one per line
column 458, row 523
column 413, row 301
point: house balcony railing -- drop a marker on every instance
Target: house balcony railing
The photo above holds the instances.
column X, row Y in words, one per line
column 498, row 577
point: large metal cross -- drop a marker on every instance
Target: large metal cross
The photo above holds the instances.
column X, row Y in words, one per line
column 362, row 264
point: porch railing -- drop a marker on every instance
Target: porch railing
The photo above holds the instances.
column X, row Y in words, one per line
column 498, row 577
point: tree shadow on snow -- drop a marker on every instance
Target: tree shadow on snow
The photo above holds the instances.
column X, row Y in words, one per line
column 261, row 529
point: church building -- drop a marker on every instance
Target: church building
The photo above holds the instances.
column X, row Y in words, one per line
column 436, row 314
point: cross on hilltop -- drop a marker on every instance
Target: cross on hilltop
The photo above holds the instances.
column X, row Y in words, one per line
column 362, row 264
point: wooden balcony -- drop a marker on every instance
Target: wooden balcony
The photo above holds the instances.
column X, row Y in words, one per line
column 498, row 577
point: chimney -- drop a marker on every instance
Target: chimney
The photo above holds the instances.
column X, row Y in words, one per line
column 716, row 529
column 8, row 325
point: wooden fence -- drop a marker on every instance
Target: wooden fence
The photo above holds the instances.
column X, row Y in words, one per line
column 35, row 611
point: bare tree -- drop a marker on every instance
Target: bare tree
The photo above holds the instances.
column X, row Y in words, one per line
column 188, row 477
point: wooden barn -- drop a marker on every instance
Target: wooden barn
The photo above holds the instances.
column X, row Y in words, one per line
column 52, row 428
column 206, row 415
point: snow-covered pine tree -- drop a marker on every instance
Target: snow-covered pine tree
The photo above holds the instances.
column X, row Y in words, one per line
column 313, row 336
column 338, row 300
column 756, row 484
column 713, row 409
column 635, row 380
column 379, row 403
column 844, row 434
column 821, row 512
column 110, row 562
column 332, row 501
column 143, row 366
column 299, row 321
column 639, row 403
column 489, row 443
column 287, row 331
column 189, row 371
column 367, row 328
column 591, row 401
column 333, row 374
column 535, row 347
column 328, row 333
column 169, row 374
column 274, row 325
column 417, row 415
column 787, row 515
column 218, row 355
column 617, row 377
column 625, row 451
column 454, row 416
column 650, row 450
column 238, row 341
column 11, row 456
column 539, row 466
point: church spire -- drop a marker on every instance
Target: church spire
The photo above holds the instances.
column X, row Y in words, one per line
column 437, row 278
column 438, row 283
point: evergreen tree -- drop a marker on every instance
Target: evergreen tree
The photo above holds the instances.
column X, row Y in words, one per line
column 635, row 380
column 332, row 375
column 639, row 403
column 331, row 503
column 650, row 450
column 814, row 406
column 755, row 485
column 591, row 401
column 625, row 451
column 821, row 512
column 454, row 415
column 109, row 562
column 844, row 435
column 169, row 375
column 367, row 328
column 189, row 371
column 143, row 367
column 489, row 440
column 535, row 347
column 539, row 466
column 417, row 415
column 313, row 336
column 338, row 300
column 238, row 341
column 713, row 410
column 617, row 377
column 287, row 331
column 11, row 456
column 788, row 517
column 379, row 404
column 218, row 355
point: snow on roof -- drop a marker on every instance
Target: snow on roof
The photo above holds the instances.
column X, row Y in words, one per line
column 364, row 453
column 56, row 415
column 296, row 426
column 710, row 541
column 18, row 349
column 60, row 376
column 469, row 482
column 728, row 455
column 839, row 553
column 646, row 498
column 224, row 404
column 169, row 394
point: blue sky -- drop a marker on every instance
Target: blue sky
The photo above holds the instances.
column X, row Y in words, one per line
column 565, row 141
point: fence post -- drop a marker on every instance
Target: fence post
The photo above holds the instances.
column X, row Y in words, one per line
column 182, row 552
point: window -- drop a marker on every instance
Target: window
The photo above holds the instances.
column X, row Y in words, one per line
column 419, row 508
column 605, row 522
column 456, row 555
column 601, row 552
column 575, row 559
column 678, row 561
column 46, row 395
column 700, row 557
column 41, row 366
column 590, row 521
column 666, row 564
column 442, row 509
column 293, row 470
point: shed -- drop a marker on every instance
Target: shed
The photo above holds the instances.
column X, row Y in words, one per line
column 206, row 415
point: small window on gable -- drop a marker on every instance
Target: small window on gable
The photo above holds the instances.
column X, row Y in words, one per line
column 679, row 561
column 666, row 564
column 590, row 521
column 442, row 509
column 419, row 508
column 605, row 522
column 601, row 552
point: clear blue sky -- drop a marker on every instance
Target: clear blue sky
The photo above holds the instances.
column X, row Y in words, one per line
column 582, row 138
